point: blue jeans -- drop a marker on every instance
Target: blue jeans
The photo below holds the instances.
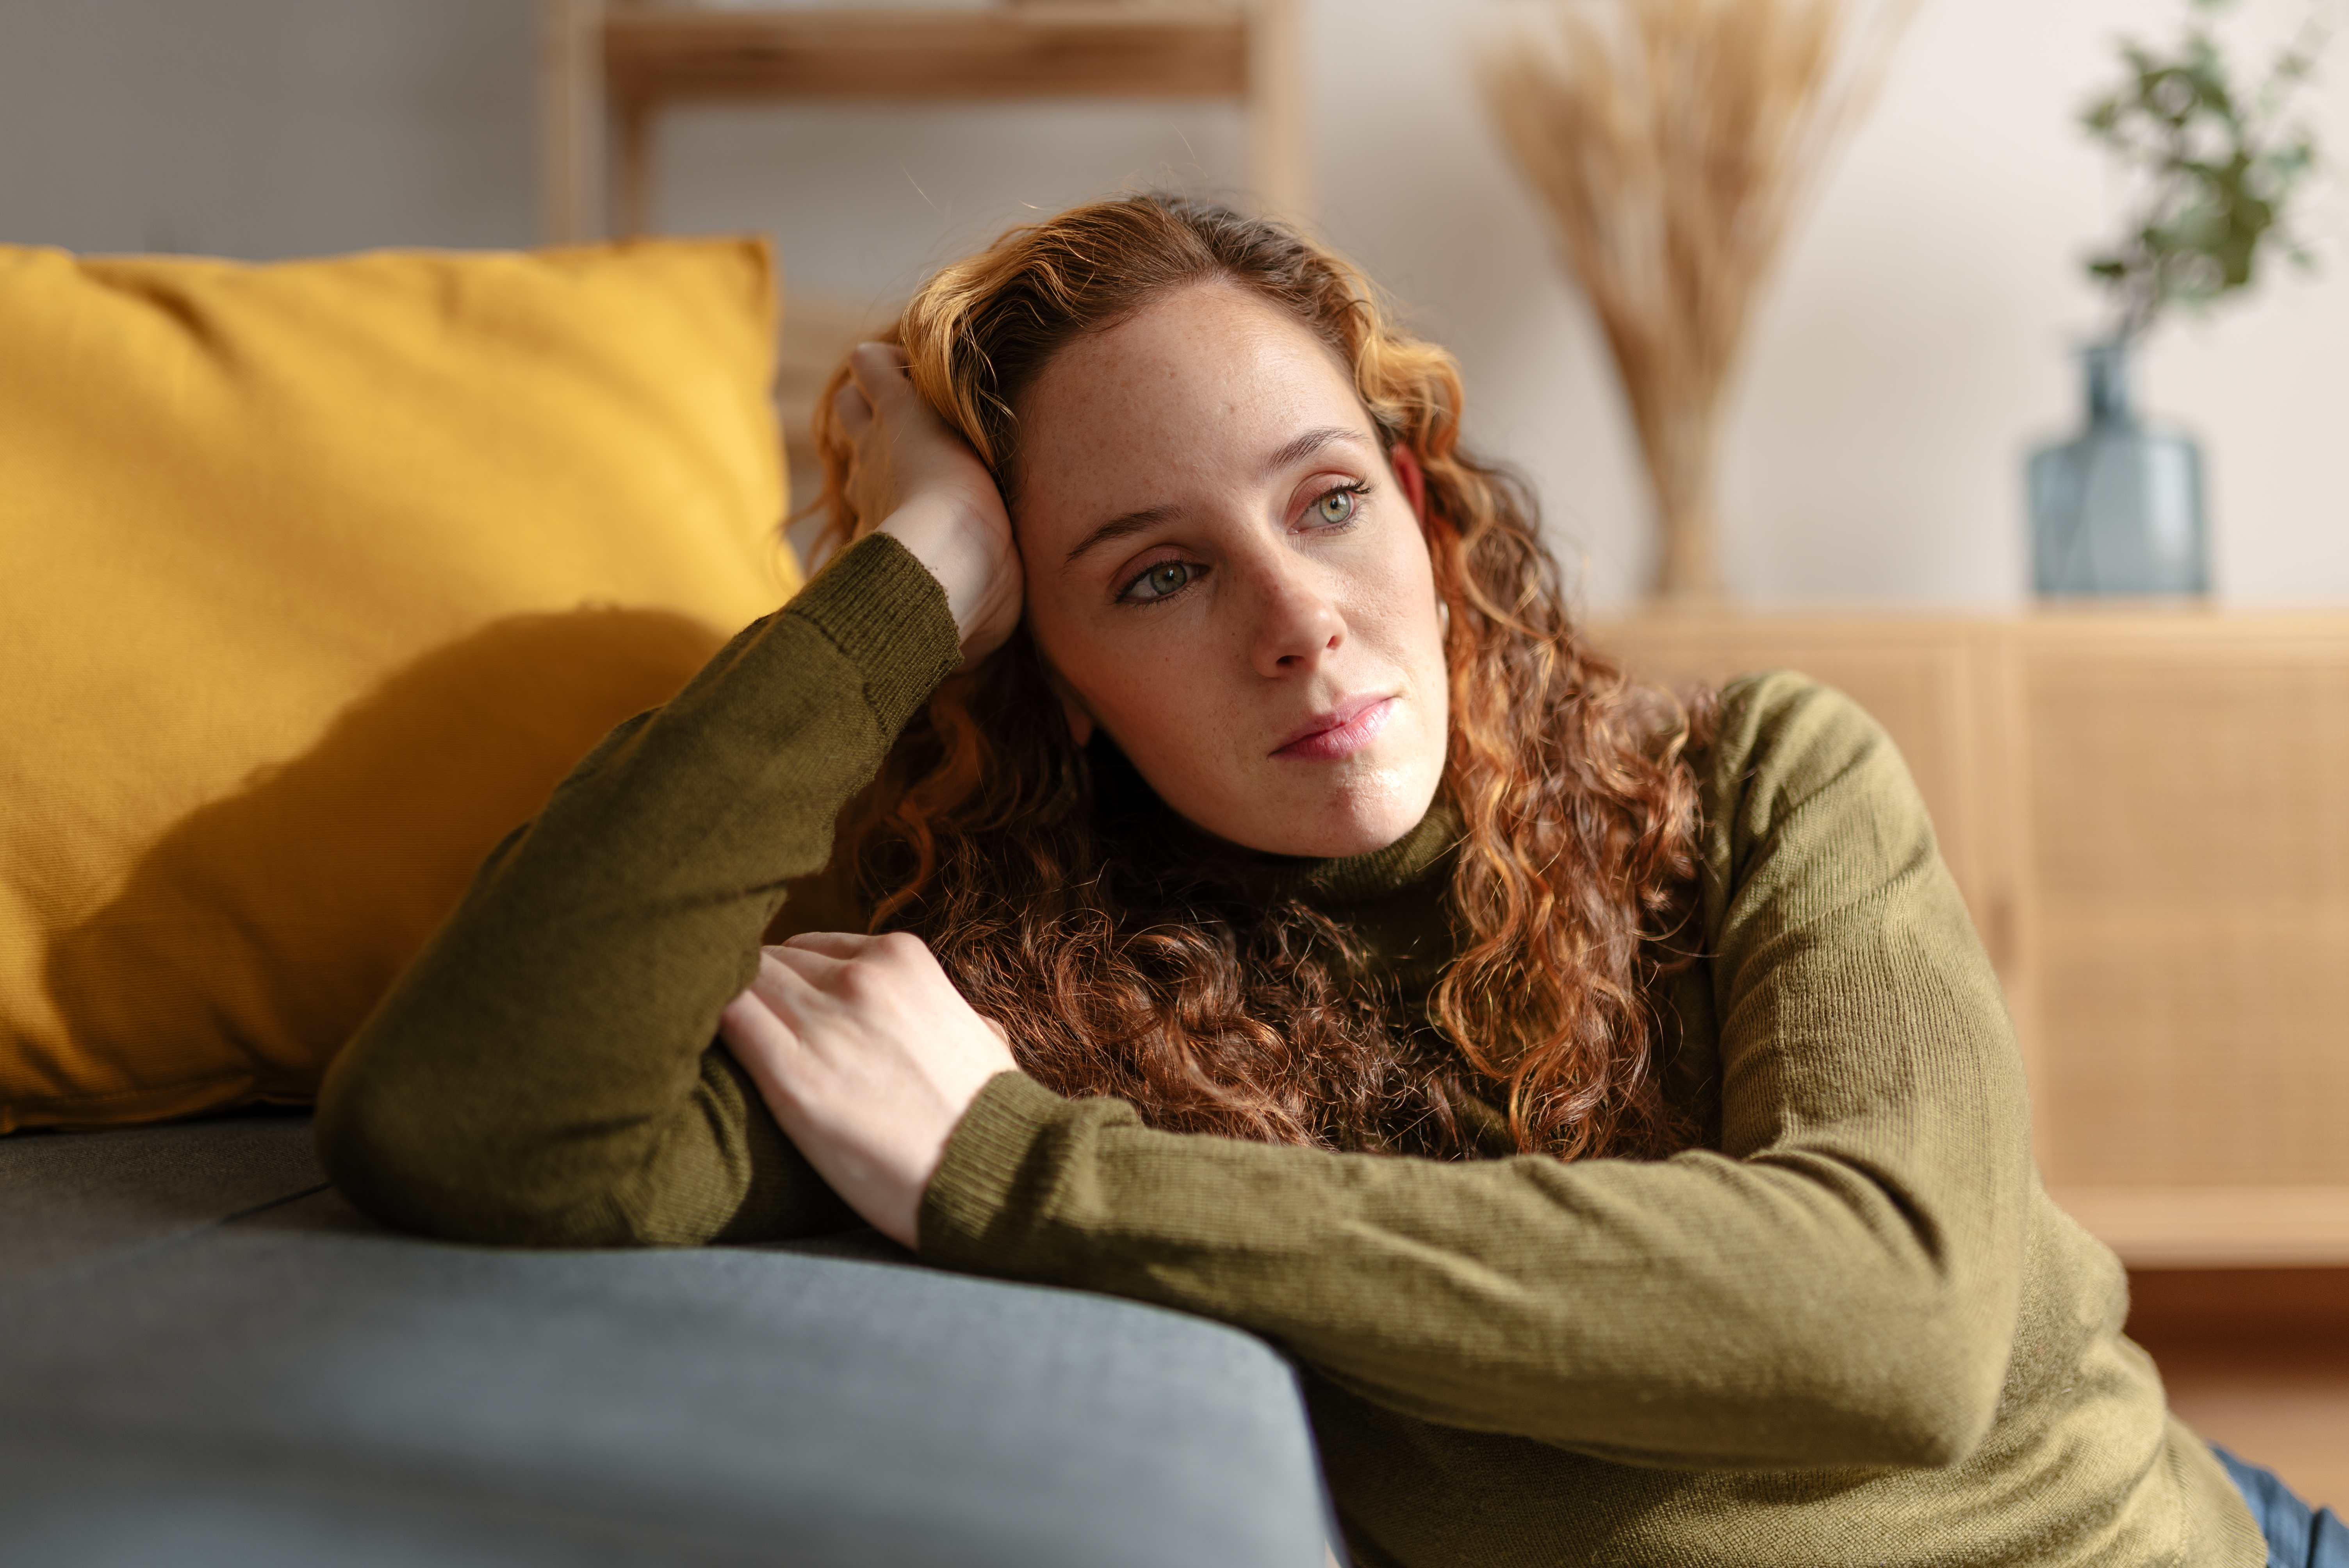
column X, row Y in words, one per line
column 2297, row 1537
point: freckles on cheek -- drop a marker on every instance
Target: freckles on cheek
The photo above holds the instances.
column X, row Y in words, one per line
column 1134, row 694
column 1163, row 715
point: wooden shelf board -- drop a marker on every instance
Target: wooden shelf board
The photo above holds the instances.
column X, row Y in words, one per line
column 1015, row 52
column 2216, row 1227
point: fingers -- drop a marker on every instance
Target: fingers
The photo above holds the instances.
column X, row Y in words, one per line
column 875, row 371
column 878, row 370
column 752, row 1028
column 780, row 986
column 853, row 410
column 831, row 944
column 894, row 949
column 827, row 961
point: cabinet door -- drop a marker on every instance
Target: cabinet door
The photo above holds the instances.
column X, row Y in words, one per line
column 2187, row 798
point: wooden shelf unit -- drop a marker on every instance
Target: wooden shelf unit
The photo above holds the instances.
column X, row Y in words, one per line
column 2142, row 807
column 630, row 62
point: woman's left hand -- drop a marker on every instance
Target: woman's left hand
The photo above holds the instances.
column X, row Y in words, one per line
column 868, row 1057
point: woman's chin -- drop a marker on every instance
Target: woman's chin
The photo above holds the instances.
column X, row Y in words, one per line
column 1357, row 822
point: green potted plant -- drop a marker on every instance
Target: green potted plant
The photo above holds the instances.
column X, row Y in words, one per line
column 2118, row 508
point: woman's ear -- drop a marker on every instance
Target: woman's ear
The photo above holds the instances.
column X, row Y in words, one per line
column 1412, row 477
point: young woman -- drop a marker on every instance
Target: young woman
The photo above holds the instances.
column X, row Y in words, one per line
column 1222, row 876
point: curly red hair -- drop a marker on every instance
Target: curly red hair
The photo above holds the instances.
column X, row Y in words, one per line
column 1027, row 864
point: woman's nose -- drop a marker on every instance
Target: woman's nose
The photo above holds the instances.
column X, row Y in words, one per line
column 1297, row 625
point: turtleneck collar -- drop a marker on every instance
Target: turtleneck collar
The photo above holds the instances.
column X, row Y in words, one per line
column 1419, row 856
column 1133, row 811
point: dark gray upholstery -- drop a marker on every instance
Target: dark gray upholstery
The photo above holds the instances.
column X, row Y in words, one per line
column 207, row 1357
column 70, row 1202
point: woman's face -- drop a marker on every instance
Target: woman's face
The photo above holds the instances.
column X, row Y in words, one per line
column 1223, row 572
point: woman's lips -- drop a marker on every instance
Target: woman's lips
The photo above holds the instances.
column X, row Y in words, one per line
column 1342, row 732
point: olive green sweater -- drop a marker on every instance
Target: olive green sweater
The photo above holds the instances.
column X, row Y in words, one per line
column 1851, row 1330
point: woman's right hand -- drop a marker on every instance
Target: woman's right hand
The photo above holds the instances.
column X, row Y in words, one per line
column 930, row 489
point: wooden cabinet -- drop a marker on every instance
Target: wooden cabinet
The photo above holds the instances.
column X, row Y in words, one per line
column 2149, row 813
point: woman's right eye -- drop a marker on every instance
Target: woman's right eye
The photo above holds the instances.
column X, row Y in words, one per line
column 1166, row 578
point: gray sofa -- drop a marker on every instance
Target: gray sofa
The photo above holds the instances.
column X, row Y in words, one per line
column 206, row 1356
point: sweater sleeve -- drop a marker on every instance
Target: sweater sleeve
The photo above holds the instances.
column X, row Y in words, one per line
column 1837, row 1285
column 545, row 1072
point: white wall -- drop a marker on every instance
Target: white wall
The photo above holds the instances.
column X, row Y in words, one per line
column 1917, row 342
column 264, row 128
column 1916, row 345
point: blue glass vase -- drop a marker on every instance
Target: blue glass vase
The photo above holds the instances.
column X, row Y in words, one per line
column 2118, row 508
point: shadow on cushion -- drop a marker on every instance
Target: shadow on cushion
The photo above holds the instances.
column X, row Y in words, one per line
column 253, row 939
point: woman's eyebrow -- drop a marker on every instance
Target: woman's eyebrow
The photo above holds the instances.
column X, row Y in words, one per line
column 1118, row 527
column 1310, row 442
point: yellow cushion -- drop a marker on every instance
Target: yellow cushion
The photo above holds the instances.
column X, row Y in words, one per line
column 315, row 577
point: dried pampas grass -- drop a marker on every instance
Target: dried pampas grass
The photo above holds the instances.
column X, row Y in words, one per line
column 1671, row 141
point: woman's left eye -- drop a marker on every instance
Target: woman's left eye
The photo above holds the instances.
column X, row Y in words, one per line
column 1337, row 505
column 1162, row 580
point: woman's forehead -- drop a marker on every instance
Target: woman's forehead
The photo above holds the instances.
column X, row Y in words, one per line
column 1209, row 377
column 1210, row 329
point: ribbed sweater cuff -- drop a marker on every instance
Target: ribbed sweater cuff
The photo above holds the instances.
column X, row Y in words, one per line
column 979, row 1175
column 880, row 607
